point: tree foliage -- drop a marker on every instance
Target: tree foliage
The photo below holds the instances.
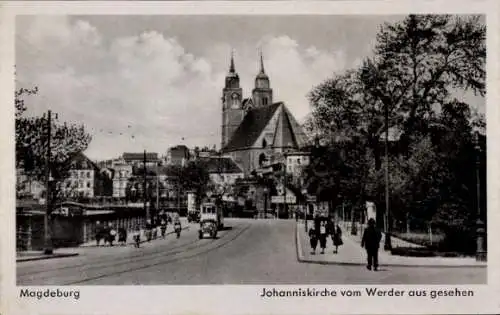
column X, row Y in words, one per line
column 32, row 143
column 192, row 177
column 418, row 67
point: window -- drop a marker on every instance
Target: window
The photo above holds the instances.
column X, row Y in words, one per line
column 80, row 184
column 264, row 101
column 264, row 143
column 298, row 161
column 88, row 174
column 88, row 184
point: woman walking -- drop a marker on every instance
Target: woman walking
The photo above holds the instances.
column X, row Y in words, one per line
column 322, row 236
column 313, row 239
column 137, row 236
column 337, row 238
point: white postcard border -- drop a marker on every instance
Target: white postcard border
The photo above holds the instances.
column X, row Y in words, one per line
column 241, row 299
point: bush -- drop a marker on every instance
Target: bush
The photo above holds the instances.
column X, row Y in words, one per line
column 422, row 239
column 460, row 239
column 422, row 252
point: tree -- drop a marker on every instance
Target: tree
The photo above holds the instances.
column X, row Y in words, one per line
column 32, row 144
column 419, row 63
column 192, row 177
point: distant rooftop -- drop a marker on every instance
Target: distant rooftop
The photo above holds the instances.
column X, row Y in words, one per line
column 150, row 156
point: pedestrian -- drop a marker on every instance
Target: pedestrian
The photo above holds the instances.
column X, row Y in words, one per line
column 155, row 231
column 371, row 242
column 322, row 236
column 313, row 239
column 105, row 233
column 98, row 232
column 330, row 226
column 137, row 236
column 337, row 238
column 163, row 227
column 111, row 235
column 122, row 236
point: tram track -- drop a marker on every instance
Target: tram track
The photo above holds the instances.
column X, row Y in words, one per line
column 112, row 258
column 119, row 265
column 202, row 251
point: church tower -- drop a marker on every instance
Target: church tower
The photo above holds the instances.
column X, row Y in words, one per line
column 232, row 109
column 262, row 94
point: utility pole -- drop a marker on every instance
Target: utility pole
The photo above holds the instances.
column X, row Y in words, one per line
column 387, row 243
column 179, row 196
column 144, row 194
column 157, row 188
column 48, row 250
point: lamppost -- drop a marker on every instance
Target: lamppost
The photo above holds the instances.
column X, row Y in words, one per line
column 48, row 249
column 387, row 243
column 480, row 229
column 144, row 193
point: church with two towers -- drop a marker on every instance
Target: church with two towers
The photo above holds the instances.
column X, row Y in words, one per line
column 256, row 129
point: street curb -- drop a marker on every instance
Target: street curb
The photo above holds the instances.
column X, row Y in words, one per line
column 53, row 256
column 301, row 259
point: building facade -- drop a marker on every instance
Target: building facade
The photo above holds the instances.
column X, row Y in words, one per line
column 122, row 174
column 257, row 128
column 86, row 179
column 296, row 162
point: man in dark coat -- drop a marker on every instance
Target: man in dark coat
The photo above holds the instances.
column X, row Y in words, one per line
column 371, row 242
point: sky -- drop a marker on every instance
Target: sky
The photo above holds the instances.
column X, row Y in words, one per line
column 152, row 82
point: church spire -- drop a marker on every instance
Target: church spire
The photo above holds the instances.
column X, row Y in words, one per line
column 231, row 67
column 261, row 63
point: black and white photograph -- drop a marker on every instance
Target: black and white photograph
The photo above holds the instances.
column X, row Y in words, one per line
column 284, row 154
column 351, row 150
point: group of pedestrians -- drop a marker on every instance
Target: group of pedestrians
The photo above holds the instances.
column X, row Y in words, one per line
column 319, row 232
column 370, row 241
column 108, row 234
column 149, row 231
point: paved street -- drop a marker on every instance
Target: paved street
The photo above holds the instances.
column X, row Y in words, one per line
column 246, row 252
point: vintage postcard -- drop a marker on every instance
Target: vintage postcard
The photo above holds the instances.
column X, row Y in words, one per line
column 249, row 157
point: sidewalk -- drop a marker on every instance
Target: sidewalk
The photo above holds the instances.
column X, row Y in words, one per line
column 130, row 240
column 74, row 251
column 351, row 253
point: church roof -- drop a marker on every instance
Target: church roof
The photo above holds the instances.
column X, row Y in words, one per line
column 251, row 127
column 288, row 132
column 246, row 101
column 224, row 165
